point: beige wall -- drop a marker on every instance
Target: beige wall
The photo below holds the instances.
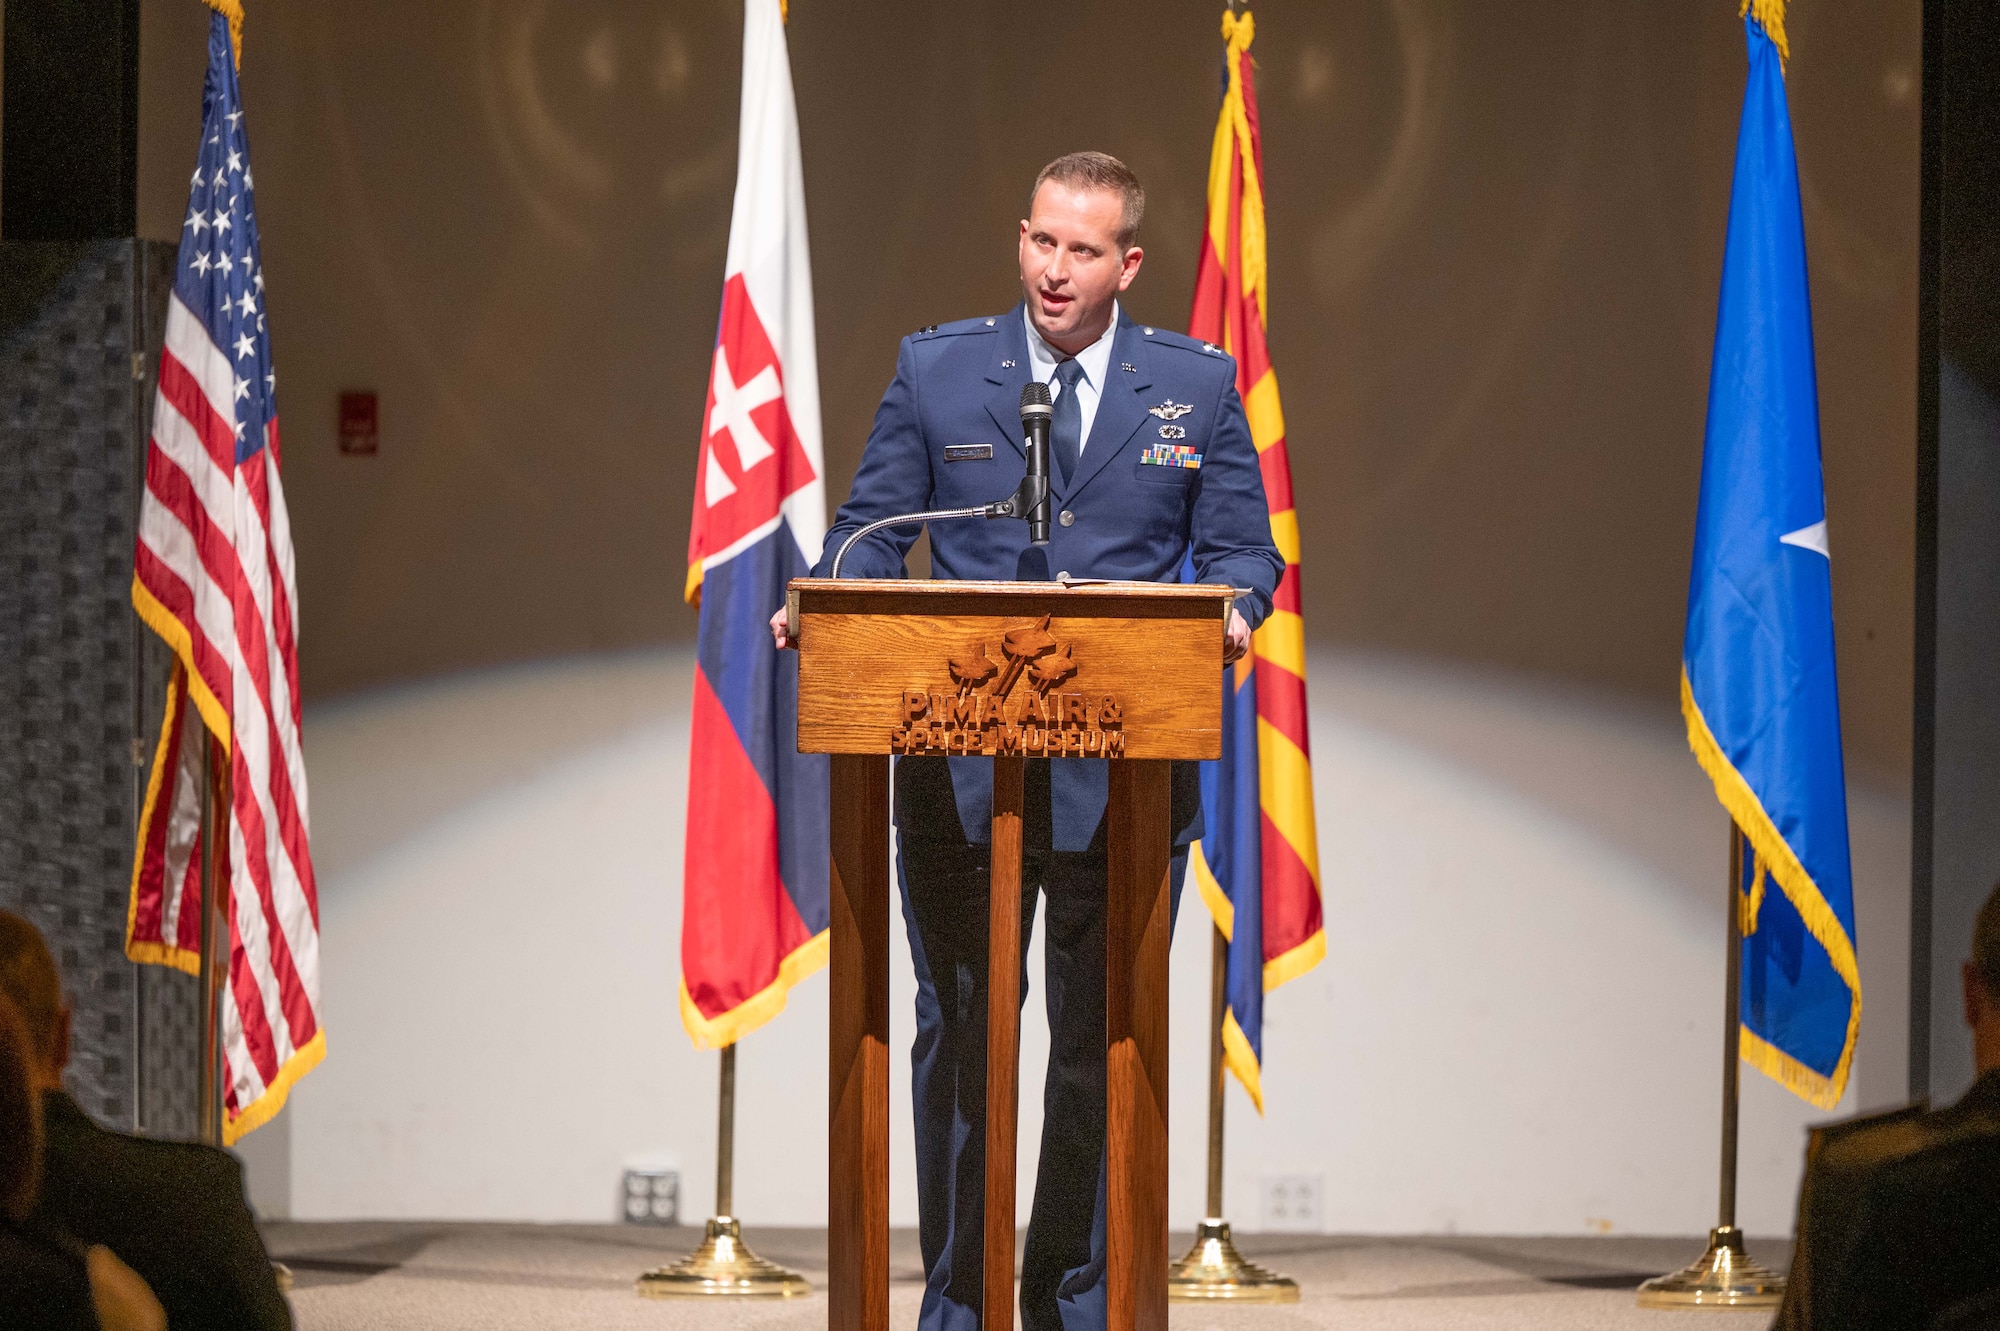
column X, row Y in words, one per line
column 1496, row 233
column 1514, row 1030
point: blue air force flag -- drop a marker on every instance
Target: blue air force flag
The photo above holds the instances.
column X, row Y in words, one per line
column 1757, row 682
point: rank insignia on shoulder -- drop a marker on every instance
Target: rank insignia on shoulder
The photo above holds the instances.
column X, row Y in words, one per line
column 1171, row 410
column 927, row 328
column 1211, row 348
column 1170, row 455
column 967, row 452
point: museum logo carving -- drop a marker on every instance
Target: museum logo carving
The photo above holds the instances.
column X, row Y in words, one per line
column 1013, row 705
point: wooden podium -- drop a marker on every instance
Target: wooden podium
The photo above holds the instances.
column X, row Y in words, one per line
column 1125, row 673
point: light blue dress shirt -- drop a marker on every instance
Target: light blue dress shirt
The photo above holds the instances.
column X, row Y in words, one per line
column 1096, row 362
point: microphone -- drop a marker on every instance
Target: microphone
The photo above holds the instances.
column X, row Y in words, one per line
column 1032, row 500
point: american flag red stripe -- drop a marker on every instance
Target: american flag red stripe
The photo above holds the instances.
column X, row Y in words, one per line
column 213, row 574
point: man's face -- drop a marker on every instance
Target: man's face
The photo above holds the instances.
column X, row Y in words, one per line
column 1071, row 266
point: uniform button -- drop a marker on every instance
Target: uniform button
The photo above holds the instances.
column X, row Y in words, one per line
column 1063, row 576
column 1068, row 519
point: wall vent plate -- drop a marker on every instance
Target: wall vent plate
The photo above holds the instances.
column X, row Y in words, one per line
column 651, row 1197
column 1291, row 1203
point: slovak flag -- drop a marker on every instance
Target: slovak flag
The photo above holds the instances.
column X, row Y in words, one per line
column 754, row 900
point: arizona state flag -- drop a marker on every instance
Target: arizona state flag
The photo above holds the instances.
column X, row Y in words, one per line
column 754, row 900
column 1757, row 684
column 1257, row 864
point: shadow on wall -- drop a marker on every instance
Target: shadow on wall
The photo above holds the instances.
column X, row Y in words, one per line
column 1514, row 1030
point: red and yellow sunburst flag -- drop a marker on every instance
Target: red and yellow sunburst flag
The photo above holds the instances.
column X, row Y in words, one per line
column 1257, row 864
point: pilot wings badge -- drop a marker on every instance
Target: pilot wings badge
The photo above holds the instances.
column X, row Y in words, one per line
column 1171, row 410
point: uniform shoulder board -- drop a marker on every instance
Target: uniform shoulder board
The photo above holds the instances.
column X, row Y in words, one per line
column 958, row 328
column 1167, row 338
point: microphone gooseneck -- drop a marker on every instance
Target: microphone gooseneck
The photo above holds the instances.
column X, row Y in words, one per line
column 1032, row 500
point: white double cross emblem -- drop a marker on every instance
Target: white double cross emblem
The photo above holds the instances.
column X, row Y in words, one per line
column 733, row 405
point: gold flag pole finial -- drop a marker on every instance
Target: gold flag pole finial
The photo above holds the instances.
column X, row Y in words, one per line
column 1770, row 16
column 233, row 11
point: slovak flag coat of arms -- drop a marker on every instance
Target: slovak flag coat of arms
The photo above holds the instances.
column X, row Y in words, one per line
column 754, row 903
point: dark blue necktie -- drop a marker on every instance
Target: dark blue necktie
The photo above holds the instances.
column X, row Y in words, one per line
column 1066, row 429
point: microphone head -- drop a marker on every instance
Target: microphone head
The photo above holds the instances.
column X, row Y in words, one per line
column 1035, row 400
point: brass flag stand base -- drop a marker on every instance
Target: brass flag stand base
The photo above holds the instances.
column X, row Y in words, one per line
column 1724, row 1277
column 1214, row 1270
column 723, row 1266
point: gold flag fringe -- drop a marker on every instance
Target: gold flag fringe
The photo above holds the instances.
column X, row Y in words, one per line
column 233, row 11
column 1778, row 860
column 1770, row 16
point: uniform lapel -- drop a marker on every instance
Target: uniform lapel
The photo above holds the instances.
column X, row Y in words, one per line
column 1009, row 369
column 1120, row 408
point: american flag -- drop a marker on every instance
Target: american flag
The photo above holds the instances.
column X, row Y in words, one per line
column 213, row 575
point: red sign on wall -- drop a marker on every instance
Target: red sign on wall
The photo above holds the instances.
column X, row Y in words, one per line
column 360, row 428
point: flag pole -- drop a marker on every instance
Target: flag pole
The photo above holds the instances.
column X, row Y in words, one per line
column 1213, row 1270
column 724, row 1264
column 1725, row 1276
column 214, row 938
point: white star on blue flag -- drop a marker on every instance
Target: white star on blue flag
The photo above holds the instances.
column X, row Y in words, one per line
column 220, row 267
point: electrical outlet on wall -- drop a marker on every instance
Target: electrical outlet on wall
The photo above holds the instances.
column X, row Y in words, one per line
column 1290, row 1203
column 651, row 1196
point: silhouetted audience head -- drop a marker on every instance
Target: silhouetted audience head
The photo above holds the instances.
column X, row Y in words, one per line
column 175, row 1211
column 48, row 1280
column 1982, row 987
column 20, row 1117
column 29, row 978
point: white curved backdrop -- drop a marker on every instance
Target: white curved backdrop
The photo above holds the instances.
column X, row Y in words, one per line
column 1516, row 1028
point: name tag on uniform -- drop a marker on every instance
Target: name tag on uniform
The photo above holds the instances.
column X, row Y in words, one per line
column 1171, row 455
column 967, row 452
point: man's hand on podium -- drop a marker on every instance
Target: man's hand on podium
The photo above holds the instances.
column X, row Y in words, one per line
column 1235, row 640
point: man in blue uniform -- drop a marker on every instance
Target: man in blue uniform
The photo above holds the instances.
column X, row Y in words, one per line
column 1152, row 462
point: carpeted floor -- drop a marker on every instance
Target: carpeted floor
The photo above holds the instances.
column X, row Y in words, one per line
column 392, row 1276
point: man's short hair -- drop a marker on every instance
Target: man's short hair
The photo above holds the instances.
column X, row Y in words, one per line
column 1081, row 171
column 29, row 978
column 1986, row 945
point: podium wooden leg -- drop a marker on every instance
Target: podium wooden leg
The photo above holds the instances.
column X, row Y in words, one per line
column 857, row 1239
column 1003, row 1042
column 1138, row 929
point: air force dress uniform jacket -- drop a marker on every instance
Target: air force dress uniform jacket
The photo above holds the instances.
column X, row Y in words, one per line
column 1167, row 470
